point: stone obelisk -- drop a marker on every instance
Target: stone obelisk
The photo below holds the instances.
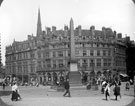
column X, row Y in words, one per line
column 74, row 75
column 73, row 62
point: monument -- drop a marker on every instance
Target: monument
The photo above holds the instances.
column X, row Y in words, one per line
column 74, row 74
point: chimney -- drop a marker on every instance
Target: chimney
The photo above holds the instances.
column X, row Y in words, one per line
column 65, row 27
column 48, row 30
column 79, row 30
column 119, row 35
column 104, row 32
column 53, row 29
column 92, row 30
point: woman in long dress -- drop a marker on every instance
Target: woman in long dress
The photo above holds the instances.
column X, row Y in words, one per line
column 15, row 93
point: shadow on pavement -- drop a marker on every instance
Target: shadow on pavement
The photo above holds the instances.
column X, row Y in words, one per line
column 5, row 93
column 132, row 103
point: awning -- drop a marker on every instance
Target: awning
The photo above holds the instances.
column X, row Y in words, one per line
column 124, row 75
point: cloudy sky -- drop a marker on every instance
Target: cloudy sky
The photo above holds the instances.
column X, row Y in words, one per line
column 18, row 18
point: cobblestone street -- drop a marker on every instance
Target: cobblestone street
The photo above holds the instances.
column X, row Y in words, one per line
column 44, row 96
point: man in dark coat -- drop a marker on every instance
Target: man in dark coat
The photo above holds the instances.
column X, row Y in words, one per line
column 67, row 88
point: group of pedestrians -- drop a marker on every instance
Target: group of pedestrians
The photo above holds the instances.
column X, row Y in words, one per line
column 106, row 88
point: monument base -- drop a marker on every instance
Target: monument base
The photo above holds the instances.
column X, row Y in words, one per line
column 75, row 78
column 74, row 75
column 73, row 67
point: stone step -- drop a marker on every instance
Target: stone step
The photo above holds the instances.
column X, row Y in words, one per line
column 75, row 79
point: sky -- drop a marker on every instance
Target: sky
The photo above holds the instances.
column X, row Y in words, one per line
column 18, row 18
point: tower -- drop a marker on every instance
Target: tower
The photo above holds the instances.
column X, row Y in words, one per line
column 39, row 26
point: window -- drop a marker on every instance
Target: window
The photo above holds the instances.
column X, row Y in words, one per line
column 92, row 63
column 25, row 67
column 44, row 54
column 60, row 53
column 84, row 53
column 47, row 54
column 48, row 61
column 77, row 52
column 105, row 62
column 109, row 53
column 54, row 54
column 39, row 55
column 84, row 64
column 104, row 53
column 54, row 63
column 32, row 66
column 39, row 64
column 109, row 62
column 98, row 62
column 32, row 55
column 19, row 67
column 91, row 53
column 68, row 53
column 98, row 52
column 60, row 62
column 44, row 65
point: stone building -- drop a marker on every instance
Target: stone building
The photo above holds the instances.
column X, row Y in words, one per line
column 46, row 56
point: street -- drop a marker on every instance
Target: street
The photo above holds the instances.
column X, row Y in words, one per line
column 44, row 96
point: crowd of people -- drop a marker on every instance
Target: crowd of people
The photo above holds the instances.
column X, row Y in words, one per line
column 106, row 86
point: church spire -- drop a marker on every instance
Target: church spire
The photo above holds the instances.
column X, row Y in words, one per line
column 39, row 26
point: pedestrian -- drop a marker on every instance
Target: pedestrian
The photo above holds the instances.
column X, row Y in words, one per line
column 103, row 86
column 107, row 90
column 117, row 88
column 15, row 93
column 3, row 84
column 127, row 86
column 67, row 88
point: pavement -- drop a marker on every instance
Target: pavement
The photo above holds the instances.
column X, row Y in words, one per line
column 44, row 96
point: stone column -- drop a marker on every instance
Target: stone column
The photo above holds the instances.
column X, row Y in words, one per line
column 73, row 63
column 74, row 75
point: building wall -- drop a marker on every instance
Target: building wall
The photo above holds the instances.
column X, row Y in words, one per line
column 50, row 52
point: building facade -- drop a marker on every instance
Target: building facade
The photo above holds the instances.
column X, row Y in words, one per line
column 46, row 56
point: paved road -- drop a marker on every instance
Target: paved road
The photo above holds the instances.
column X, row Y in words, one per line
column 44, row 96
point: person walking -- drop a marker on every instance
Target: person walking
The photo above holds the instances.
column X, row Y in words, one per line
column 107, row 90
column 3, row 84
column 67, row 88
column 117, row 88
column 15, row 93
column 103, row 87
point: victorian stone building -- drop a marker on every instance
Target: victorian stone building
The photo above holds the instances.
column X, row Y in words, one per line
column 46, row 56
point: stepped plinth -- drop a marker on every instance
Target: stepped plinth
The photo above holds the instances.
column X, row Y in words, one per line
column 75, row 78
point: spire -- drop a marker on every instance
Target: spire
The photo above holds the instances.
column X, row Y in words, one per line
column 39, row 26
